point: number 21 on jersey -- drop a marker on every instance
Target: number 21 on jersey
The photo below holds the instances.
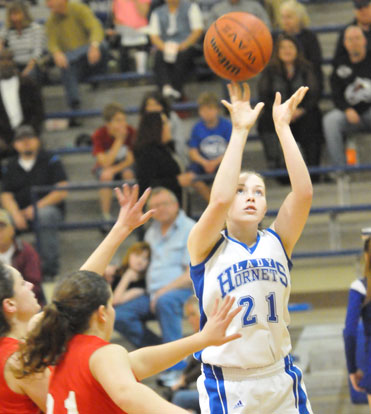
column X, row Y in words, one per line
column 248, row 302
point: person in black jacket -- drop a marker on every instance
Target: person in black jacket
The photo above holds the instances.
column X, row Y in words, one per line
column 155, row 159
column 351, row 93
column 20, row 102
column 286, row 72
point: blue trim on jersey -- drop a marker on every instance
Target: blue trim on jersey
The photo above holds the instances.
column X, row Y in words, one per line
column 290, row 264
column 214, row 384
column 245, row 246
column 299, row 393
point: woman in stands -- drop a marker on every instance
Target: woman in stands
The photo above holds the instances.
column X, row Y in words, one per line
column 18, row 306
column 294, row 21
column 91, row 375
column 155, row 159
column 287, row 70
column 230, row 255
column 154, row 101
column 359, row 307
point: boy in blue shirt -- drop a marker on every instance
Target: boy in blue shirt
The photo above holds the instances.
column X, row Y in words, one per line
column 209, row 139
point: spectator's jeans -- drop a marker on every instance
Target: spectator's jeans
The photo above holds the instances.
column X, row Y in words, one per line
column 132, row 316
column 187, row 399
column 336, row 128
column 49, row 239
column 78, row 69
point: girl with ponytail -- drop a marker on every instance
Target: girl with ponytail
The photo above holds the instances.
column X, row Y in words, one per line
column 90, row 375
column 18, row 305
column 359, row 306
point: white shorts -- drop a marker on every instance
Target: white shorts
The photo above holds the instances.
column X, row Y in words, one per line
column 276, row 389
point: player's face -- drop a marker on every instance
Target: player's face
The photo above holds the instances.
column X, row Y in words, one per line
column 139, row 261
column 166, row 208
column 25, row 299
column 290, row 22
column 249, row 204
column 110, row 319
column 287, row 51
column 209, row 114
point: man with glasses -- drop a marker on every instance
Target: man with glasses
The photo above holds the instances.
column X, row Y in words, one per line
column 168, row 281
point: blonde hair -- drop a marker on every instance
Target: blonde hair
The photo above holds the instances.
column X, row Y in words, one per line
column 138, row 247
column 299, row 10
column 208, row 99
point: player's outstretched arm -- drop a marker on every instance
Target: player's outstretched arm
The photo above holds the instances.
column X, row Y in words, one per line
column 294, row 211
column 205, row 233
column 130, row 217
column 151, row 360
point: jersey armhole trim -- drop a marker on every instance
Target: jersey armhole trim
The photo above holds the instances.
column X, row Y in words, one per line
column 208, row 257
column 279, row 239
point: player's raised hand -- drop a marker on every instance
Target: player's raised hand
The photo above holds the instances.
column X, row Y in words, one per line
column 131, row 213
column 242, row 115
column 283, row 112
column 214, row 331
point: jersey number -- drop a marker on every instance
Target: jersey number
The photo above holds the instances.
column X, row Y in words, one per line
column 69, row 404
column 248, row 318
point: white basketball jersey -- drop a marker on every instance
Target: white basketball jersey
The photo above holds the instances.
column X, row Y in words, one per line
column 258, row 277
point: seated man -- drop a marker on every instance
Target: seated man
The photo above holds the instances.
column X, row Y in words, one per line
column 75, row 39
column 113, row 149
column 209, row 140
column 21, row 255
column 20, row 102
column 351, row 92
column 32, row 166
column 167, row 279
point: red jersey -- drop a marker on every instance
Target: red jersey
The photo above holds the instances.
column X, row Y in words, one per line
column 72, row 387
column 102, row 140
column 10, row 401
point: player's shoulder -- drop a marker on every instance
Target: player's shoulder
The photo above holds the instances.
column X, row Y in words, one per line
column 359, row 285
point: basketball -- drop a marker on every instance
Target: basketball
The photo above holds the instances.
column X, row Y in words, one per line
column 237, row 46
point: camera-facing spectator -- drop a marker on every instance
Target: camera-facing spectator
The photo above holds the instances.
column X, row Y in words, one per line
column 351, row 92
column 33, row 166
column 113, row 149
column 24, row 37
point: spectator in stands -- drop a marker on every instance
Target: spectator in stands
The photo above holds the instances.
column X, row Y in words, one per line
column 130, row 18
column 359, row 306
column 155, row 162
column 113, row 149
column 248, row 6
column 34, row 166
column 362, row 18
column 128, row 280
column 295, row 21
column 174, row 29
column 209, row 139
column 21, row 255
column 351, row 93
column 184, row 392
column 24, row 37
column 168, row 281
column 287, row 71
column 20, row 102
column 154, row 101
column 75, row 39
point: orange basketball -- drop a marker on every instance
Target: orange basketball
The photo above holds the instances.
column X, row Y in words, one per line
column 237, row 46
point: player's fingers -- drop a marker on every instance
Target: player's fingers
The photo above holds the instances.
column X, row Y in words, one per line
column 259, row 107
column 227, row 105
column 226, row 306
column 146, row 216
column 134, row 194
column 232, row 314
column 232, row 337
column 143, row 199
column 277, row 99
column 246, row 92
column 215, row 307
